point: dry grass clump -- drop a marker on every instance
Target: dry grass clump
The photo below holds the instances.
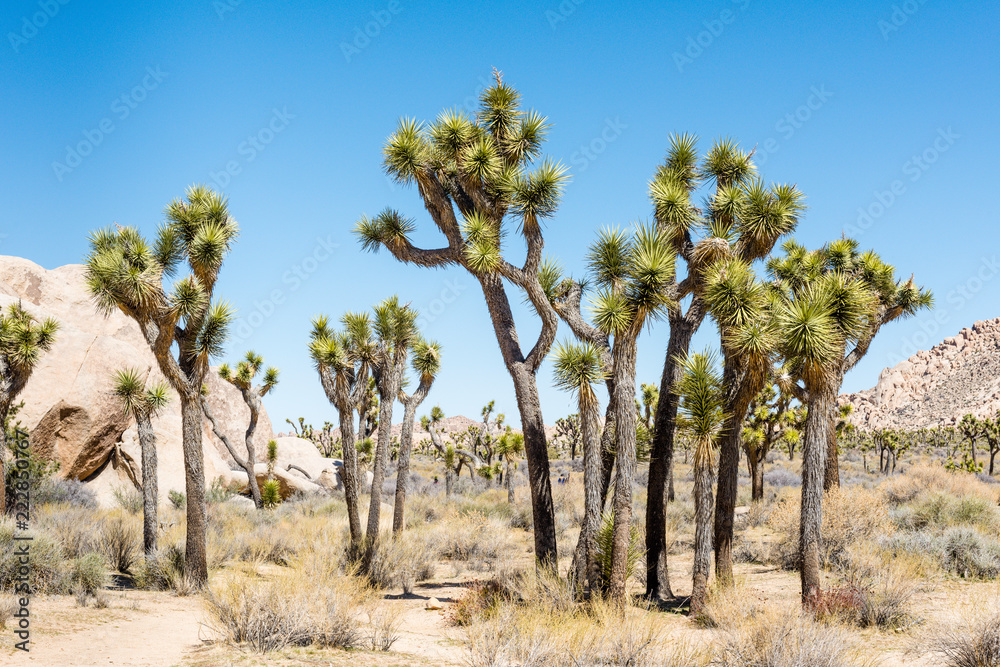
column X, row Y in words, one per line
column 120, row 541
column 850, row 514
column 785, row 639
column 975, row 643
column 933, row 477
column 403, row 562
column 295, row 610
column 48, row 570
column 477, row 538
column 730, row 606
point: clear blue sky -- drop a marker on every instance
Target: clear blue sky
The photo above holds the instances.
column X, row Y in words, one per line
column 839, row 98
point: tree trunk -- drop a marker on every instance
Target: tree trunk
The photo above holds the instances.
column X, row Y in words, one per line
column 831, row 476
column 350, row 474
column 588, row 568
column 147, row 445
column 4, row 411
column 195, row 550
column 247, row 464
column 756, row 476
column 537, row 455
column 661, row 456
column 386, row 400
column 449, row 482
column 703, row 531
column 739, row 396
column 814, row 449
column 624, row 359
column 508, row 483
column 252, row 399
column 993, row 455
column 403, row 470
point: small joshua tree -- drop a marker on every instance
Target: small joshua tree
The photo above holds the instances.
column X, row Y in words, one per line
column 23, row 340
column 142, row 403
column 242, row 379
column 510, row 446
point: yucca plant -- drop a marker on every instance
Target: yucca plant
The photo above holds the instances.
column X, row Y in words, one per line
column 270, row 494
column 23, row 340
column 577, row 367
column 604, row 543
column 771, row 418
column 479, row 182
column 633, row 273
column 426, row 364
column 142, row 403
column 447, row 453
column 343, row 361
column 701, row 417
column 242, row 378
column 125, row 272
column 510, row 447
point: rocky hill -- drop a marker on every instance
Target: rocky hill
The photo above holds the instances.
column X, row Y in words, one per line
column 936, row 387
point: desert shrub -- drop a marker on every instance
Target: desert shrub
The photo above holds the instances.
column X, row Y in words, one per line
column 482, row 600
column 77, row 529
column 46, row 565
column 263, row 544
column 59, row 491
column 976, row 644
column 939, row 510
column 780, row 478
column 88, row 574
column 730, row 606
column 750, row 551
column 7, row 608
column 786, row 640
column 177, row 499
column 402, row 562
column 218, row 492
column 476, row 538
column 128, row 498
column 120, row 543
column 263, row 616
column 969, row 553
column 850, row 514
column 161, row 571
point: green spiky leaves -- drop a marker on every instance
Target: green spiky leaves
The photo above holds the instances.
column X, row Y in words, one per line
column 23, row 340
column 388, row 228
column 576, row 367
column 482, row 243
column 136, row 399
column 700, row 410
column 406, row 151
column 246, row 371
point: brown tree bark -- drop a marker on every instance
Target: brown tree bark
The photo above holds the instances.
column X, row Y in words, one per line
column 195, row 552
column 246, row 463
column 624, row 360
column 410, row 405
column 703, row 533
column 814, row 449
column 147, row 445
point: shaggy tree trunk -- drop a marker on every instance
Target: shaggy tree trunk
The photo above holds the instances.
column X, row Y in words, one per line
column 147, row 445
column 508, row 483
column 661, row 456
column 814, row 450
column 624, row 358
column 253, row 402
column 588, row 568
column 756, row 462
column 703, row 532
column 740, row 392
column 410, row 405
column 607, row 448
column 5, row 402
column 387, row 398
column 195, row 550
column 350, row 474
column 831, row 470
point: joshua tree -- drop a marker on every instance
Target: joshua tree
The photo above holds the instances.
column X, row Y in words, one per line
column 447, row 454
column 426, row 364
column 124, row 272
column 242, row 379
column 702, row 418
column 23, row 340
column 633, row 273
column 891, row 444
column 342, row 360
column 510, row 446
column 395, row 332
column 972, row 429
column 894, row 299
column 473, row 178
column 742, row 219
column 142, row 403
column 577, row 367
column 991, row 433
column 568, row 428
column 771, row 419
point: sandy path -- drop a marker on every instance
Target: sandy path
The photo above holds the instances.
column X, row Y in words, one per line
column 160, row 630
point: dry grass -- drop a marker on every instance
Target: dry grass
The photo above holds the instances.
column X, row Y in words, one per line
column 786, row 639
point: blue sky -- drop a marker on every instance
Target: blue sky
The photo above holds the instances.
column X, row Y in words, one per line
column 883, row 113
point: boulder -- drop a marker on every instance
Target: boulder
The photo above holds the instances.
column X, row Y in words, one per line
column 68, row 410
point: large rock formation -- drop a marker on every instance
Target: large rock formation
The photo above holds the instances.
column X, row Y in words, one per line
column 936, row 387
column 68, row 408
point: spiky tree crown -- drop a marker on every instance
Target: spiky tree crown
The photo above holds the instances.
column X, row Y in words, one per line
column 577, row 367
column 124, row 272
column 700, row 412
column 23, row 340
column 242, row 378
column 135, row 397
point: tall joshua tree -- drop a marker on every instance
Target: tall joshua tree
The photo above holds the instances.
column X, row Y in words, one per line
column 633, row 273
column 426, row 364
column 23, row 340
column 817, row 321
column 701, row 416
column 395, row 331
column 184, row 329
column 894, row 299
column 242, row 379
column 740, row 219
column 142, row 403
column 343, row 361
column 475, row 179
column 577, row 367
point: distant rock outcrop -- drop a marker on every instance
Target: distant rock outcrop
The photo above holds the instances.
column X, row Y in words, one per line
column 68, row 408
column 936, row 387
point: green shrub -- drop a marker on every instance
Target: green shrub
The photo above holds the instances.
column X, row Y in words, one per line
column 270, row 493
column 218, row 492
column 88, row 574
column 128, row 498
column 161, row 571
column 177, row 499
column 604, row 545
column 969, row 553
column 46, row 566
column 120, row 543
